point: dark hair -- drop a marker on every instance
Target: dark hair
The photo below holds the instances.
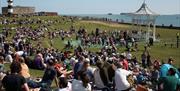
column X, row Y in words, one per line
column 122, row 56
column 83, row 76
column 85, row 63
column 118, row 64
column 38, row 51
column 99, row 64
column 172, row 71
column 51, row 62
column 81, row 58
column 170, row 59
column 15, row 67
column 63, row 83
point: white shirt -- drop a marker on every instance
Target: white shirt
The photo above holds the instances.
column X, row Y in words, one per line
column 20, row 53
column 121, row 79
column 9, row 58
column 129, row 56
column 77, row 85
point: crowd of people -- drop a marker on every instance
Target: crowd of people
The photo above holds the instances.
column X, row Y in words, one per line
column 80, row 70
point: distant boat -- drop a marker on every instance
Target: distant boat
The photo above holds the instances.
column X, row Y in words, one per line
column 109, row 13
column 125, row 13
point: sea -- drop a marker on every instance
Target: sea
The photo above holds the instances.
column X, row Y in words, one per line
column 165, row 20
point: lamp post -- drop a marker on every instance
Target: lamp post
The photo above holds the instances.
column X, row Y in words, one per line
column 177, row 40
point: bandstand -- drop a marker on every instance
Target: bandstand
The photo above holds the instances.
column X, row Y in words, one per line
column 144, row 17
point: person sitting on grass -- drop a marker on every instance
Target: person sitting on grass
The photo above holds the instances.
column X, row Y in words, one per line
column 61, row 70
column 165, row 67
column 2, row 69
column 39, row 61
column 78, row 66
column 142, row 87
column 170, row 82
column 1, row 64
column 14, row 81
column 106, row 72
column 64, row 85
column 25, row 70
column 121, row 78
column 87, row 69
column 48, row 77
column 82, row 83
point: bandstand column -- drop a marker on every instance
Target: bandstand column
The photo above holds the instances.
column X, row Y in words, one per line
column 154, row 32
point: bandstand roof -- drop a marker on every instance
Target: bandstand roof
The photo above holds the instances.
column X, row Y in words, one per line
column 144, row 10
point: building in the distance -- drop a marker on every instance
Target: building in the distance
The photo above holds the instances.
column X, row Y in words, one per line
column 23, row 10
column 47, row 13
column 19, row 10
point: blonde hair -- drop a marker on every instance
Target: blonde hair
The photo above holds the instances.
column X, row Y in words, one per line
column 21, row 60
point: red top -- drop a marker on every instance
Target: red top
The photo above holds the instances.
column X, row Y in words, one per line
column 125, row 64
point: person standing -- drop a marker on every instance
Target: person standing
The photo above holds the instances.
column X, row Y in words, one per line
column 144, row 59
column 149, row 63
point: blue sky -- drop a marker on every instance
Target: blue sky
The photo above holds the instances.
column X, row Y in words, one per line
column 98, row 6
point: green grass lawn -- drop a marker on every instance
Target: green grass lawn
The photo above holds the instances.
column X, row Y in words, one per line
column 33, row 72
column 158, row 51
